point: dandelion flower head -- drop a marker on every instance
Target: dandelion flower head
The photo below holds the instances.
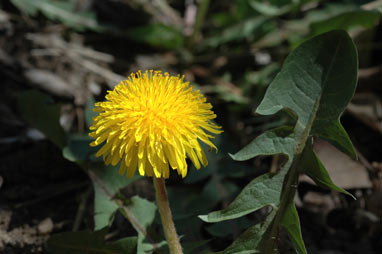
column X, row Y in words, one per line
column 153, row 122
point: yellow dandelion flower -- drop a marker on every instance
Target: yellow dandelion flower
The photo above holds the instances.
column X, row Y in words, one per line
column 152, row 122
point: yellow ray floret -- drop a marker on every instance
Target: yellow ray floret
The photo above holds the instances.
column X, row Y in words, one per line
column 153, row 121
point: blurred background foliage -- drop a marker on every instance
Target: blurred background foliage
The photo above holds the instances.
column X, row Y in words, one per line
column 57, row 57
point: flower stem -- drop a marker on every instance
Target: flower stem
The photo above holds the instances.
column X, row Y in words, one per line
column 166, row 217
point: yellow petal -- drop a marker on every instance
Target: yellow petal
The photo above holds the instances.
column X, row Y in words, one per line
column 153, row 121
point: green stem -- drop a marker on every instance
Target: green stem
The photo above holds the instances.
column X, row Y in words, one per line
column 290, row 186
column 166, row 217
column 289, row 191
column 202, row 11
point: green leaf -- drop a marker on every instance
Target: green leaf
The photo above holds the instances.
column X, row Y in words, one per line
column 276, row 141
column 107, row 184
column 42, row 113
column 260, row 192
column 144, row 213
column 157, row 35
column 313, row 167
column 317, row 81
column 78, row 148
column 346, row 21
column 143, row 210
column 104, row 208
column 247, row 242
column 291, row 223
column 335, row 134
column 90, row 243
column 63, row 11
